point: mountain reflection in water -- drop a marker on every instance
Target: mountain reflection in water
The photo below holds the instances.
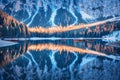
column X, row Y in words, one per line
column 60, row 59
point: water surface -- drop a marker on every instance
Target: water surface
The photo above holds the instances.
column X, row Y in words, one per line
column 60, row 60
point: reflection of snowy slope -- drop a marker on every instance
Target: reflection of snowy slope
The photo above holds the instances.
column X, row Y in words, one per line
column 39, row 67
column 86, row 59
column 114, row 37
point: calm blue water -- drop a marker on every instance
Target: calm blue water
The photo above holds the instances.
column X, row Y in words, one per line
column 60, row 60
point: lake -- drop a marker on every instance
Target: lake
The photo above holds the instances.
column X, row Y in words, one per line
column 61, row 59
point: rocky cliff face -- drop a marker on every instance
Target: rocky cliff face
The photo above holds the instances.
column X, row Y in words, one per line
column 10, row 27
column 56, row 12
column 101, row 8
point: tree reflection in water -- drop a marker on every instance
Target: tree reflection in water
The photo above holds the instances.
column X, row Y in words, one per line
column 75, row 61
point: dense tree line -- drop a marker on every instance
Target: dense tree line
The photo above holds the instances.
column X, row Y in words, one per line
column 95, row 31
column 10, row 27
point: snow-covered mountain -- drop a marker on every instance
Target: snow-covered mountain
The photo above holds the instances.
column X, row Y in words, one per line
column 60, row 12
column 47, row 13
